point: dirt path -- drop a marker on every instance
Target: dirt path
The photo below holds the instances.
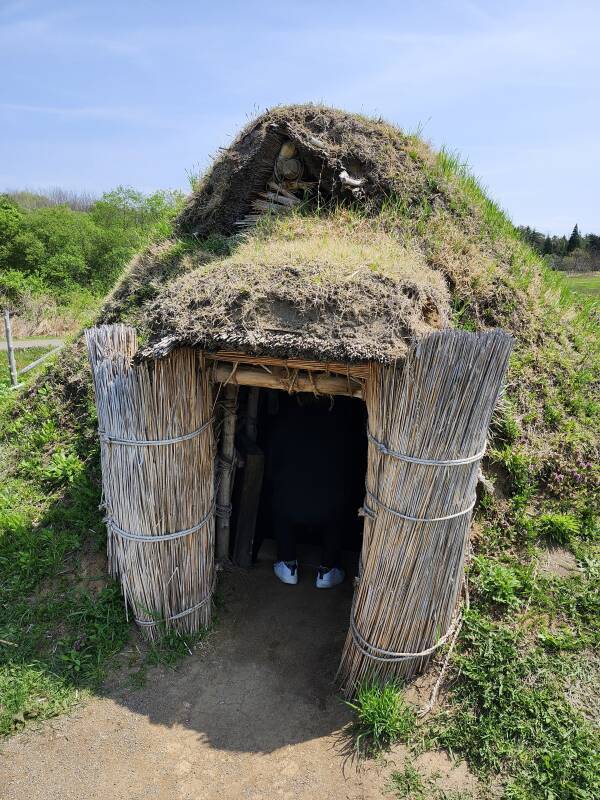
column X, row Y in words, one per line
column 24, row 344
column 253, row 715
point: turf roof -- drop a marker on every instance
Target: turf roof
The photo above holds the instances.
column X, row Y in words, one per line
column 353, row 274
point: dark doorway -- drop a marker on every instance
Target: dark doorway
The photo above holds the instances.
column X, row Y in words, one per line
column 314, row 472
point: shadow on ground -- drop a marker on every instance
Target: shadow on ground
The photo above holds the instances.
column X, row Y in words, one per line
column 265, row 678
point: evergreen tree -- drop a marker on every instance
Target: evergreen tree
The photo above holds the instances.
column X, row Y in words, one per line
column 547, row 248
column 593, row 242
column 574, row 240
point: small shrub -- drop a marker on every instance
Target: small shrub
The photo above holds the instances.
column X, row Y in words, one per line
column 382, row 717
column 563, row 639
column 408, row 784
column 507, row 427
column 558, row 528
column 63, row 468
column 499, row 583
column 520, row 472
column 552, row 414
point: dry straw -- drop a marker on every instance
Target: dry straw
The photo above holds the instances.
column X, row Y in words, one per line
column 434, row 407
column 155, row 488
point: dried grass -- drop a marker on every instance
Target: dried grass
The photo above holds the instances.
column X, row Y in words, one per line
column 154, row 489
column 436, row 406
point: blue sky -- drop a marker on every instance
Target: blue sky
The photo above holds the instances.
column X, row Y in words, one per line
column 95, row 94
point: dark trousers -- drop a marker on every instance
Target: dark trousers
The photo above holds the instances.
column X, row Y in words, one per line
column 330, row 535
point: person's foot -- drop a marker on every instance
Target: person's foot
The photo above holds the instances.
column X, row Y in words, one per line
column 328, row 577
column 286, row 571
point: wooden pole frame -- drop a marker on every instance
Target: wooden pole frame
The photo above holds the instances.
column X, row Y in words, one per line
column 296, row 381
column 227, row 454
column 12, row 364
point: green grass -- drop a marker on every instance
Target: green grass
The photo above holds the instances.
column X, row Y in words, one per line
column 58, row 631
column 23, row 357
column 62, row 620
column 588, row 283
column 510, row 717
column 382, row 718
column 409, row 784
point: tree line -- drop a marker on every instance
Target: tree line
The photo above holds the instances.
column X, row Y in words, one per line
column 576, row 253
column 59, row 243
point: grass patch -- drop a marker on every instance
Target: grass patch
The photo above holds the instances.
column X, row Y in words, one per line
column 383, row 718
column 510, row 717
column 23, row 357
column 409, row 784
column 587, row 284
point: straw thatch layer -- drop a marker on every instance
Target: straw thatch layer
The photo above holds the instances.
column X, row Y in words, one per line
column 436, row 408
column 329, row 142
column 287, row 312
column 157, row 453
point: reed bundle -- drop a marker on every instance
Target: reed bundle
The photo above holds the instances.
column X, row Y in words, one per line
column 154, row 489
column 435, row 407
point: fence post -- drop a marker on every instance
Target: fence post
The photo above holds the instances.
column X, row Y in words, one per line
column 12, row 364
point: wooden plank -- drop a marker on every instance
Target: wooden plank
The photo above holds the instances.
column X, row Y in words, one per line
column 227, row 450
column 247, row 502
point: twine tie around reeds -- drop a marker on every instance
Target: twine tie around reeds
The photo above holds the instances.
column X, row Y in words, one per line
column 388, row 656
column 370, row 512
column 109, row 438
column 160, row 537
column 431, row 462
column 158, row 479
column 428, row 421
column 181, row 614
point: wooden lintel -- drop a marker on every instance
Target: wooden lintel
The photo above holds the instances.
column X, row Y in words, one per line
column 354, row 370
column 297, row 381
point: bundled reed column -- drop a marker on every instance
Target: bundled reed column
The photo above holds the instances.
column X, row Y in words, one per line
column 428, row 422
column 157, row 452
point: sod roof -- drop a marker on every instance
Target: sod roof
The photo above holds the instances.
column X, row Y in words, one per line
column 391, row 241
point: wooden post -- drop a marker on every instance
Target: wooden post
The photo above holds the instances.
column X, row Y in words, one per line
column 227, row 453
column 252, row 413
column 12, row 364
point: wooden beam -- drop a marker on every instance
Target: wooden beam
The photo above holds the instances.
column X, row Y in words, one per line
column 354, row 370
column 227, row 444
column 319, row 382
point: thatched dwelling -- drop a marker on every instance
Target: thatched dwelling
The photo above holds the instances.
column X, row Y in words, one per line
column 329, row 254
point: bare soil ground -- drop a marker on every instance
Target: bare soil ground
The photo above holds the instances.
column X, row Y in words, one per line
column 254, row 714
column 557, row 561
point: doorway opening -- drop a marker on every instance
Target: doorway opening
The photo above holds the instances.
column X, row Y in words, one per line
column 303, row 480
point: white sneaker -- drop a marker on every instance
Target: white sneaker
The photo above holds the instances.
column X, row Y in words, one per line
column 286, row 571
column 328, row 578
